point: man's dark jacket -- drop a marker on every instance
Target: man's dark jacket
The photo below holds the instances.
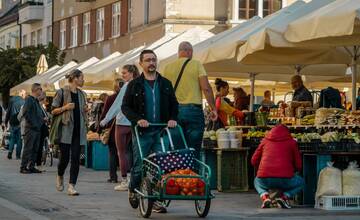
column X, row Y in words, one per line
column 133, row 105
column 34, row 116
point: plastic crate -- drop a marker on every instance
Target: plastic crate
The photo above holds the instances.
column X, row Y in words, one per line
column 332, row 147
column 209, row 157
column 312, row 165
column 338, row 203
column 352, row 146
column 232, row 173
column 100, row 156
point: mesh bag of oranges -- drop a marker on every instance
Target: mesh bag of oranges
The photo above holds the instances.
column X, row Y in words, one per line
column 185, row 186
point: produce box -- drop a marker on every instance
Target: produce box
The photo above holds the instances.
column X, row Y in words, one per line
column 232, row 173
column 100, row 155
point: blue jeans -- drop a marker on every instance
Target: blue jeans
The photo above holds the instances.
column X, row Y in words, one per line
column 289, row 186
column 15, row 138
column 191, row 119
column 149, row 143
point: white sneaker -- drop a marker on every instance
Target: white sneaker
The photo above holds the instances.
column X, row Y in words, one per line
column 72, row 191
column 41, row 168
column 60, row 183
column 123, row 186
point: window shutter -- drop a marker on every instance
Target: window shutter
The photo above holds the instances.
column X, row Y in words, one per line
column 80, row 29
column 124, row 17
column 92, row 26
column 108, row 22
column 56, row 34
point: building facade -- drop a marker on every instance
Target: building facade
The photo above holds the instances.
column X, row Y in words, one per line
column 35, row 18
column 86, row 28
column 9, row 28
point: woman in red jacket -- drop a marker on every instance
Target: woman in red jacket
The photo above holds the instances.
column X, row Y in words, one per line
column 277, row 159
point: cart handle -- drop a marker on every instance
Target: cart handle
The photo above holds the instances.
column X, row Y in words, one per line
column 167, row 131
column 162, row 143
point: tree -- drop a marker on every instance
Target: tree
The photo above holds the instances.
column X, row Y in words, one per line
column 18, row 65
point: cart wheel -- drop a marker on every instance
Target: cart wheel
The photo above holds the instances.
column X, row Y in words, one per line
column 146, row 205
column 202, row 207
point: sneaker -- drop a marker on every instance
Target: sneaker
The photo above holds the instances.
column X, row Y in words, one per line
column 266, row 201
column 34, row 170
column 72, row 191
column 25, row 171
column 133, row 200
column 123, row 186
column 159, row 207
column 60, row 183
column 41, row 168
column 9, row 156
column 283, row 201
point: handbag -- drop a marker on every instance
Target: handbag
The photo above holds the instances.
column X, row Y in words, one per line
column 56, row 126
column 105, row 135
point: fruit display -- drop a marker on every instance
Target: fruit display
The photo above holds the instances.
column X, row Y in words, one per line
column 331, row 137
column 210, row 135
column 255, row 134
column 329, row 116
column 308, row 120
column 306, row 137
column 184, row 186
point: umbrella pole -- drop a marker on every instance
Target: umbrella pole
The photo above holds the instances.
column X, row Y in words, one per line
column 252, row 91
column 353, row 77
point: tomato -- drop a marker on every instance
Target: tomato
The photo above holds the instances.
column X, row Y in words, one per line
column 172, row 190
column 201, row 184
column 190, row 194
column 185, row 190
column 171, row 182
column 194, row 191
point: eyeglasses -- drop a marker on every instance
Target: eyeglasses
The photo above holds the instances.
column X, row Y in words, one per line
column 150, row 60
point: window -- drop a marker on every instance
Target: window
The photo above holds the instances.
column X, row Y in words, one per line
column 0, row 4
column 146, row 11
column 2, row 42
column 62, row 43
column 271, row 6
column 116, row 19
column 74, row 31
column 86, row 28
column 33, row 38
column 39, row 37
column 247, row 8
column 49, row 34
column 25, row 41
column 100, row 19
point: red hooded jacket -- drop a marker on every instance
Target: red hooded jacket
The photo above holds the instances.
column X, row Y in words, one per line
column 278, row 155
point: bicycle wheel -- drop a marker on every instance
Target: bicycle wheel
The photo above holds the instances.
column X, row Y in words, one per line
column 146, row 205
column 202, row 207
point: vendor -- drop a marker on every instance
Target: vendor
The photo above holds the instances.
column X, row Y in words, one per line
column 266, row 103
column 301, row 93
column 222, row 106
column 241, row 99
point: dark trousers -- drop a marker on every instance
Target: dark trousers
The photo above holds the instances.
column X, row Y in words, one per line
column 31, row 145
column 65, row 150
column 43, row 135
column 113, row 159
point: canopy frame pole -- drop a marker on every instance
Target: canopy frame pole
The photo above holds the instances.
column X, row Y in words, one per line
column 252, row 91
column 355, row 56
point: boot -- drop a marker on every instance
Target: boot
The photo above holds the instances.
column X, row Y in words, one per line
column 72, row 191
column 9, row 156
column 60, row 183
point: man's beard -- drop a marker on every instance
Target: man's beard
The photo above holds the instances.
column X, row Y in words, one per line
column 152, row 70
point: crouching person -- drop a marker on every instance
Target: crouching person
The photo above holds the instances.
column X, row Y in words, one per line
column 149, row 98
column 277, row 159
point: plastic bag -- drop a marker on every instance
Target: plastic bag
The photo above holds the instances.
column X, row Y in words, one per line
column 351, row 180
column 329, row 182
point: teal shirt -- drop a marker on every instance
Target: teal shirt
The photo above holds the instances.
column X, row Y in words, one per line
column 152, row 102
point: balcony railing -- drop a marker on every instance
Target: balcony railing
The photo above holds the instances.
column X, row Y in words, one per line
column 31, row 11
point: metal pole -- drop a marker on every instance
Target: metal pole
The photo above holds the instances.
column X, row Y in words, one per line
column 252, row 91
column 353, row 78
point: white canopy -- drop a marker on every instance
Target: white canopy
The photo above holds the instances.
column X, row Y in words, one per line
column 163, row 48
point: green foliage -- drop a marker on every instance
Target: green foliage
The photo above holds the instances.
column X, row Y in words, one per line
column 18, row 65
